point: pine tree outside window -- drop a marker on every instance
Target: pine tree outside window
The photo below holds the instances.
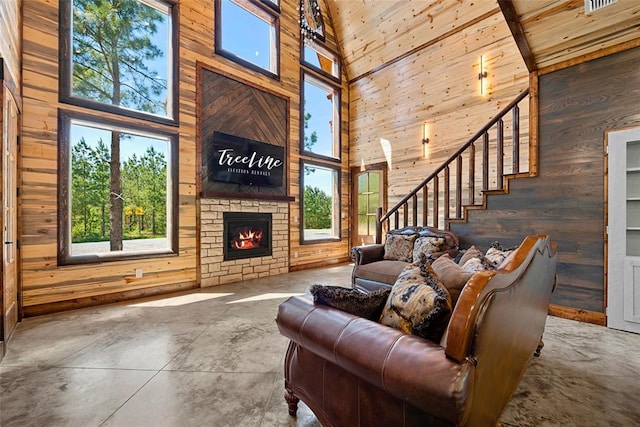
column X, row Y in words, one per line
column 117, row 179
column 118, row 56
column 146, row 191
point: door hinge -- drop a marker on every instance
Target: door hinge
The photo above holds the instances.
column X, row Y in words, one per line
column 18, row 140
column 18, row 296
column 18, row 244
column 17, row 191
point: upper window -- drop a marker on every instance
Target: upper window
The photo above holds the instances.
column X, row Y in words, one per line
column 118, row 55
column 321, row 117
column 321, row 59
column 118, row 191
column 247, row 33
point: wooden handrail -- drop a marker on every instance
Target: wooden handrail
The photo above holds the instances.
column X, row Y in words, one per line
column 457, row 157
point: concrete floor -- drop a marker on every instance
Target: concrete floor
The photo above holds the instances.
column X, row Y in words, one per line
column 214, row 357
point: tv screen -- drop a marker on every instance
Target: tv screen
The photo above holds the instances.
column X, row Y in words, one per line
column 238, row 160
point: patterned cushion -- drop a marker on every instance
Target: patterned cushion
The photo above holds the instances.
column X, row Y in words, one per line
column 472, row 252
column 473, row 265
column 399, row 247
column 452, row 275
column 495, row 256
column 419, row 303
column 427, row 245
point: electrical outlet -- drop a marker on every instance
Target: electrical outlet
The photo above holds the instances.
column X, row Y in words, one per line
column 138, row 272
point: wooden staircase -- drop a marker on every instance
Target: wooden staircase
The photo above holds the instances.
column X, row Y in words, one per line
column 465, row 179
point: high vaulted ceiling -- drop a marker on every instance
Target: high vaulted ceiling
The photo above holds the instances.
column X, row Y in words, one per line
column 372, row 33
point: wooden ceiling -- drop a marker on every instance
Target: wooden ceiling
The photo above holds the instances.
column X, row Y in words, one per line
column 373, row 33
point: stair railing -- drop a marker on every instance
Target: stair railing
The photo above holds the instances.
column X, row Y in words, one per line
column 428, row 204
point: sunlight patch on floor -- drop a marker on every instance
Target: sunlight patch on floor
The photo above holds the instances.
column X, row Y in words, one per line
column 267, row 296
column 181, row 300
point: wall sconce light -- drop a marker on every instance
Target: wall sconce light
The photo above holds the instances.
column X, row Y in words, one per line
column 482, row 75
column 425, row 139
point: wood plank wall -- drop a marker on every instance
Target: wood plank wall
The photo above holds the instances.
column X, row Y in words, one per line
column 48, row 287
column 438, row 85
column 567, row 200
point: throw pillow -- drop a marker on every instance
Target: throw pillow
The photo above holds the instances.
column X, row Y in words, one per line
column 427, row 245
column 452, row 276
column 496, row 256
column 475, row 264
column 398, row 247
column 367, row 305
column 419, row 303
column 472, row 252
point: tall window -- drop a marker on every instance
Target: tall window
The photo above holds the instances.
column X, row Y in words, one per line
column 117, row 55
column 321, row 202
column 118, row 191
column 247, row 33
column 117, row 179
column 321, row 118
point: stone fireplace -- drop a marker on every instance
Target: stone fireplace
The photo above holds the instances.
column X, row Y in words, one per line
column 246, row 235
column 220, row 263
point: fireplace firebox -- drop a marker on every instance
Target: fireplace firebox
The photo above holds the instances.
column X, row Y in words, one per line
column 246, row 235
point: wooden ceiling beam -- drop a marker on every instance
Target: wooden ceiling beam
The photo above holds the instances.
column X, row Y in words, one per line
column 510, row 15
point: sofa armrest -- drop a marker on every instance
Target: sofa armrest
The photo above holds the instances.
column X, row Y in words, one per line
column 367, row 254
column 408, row 367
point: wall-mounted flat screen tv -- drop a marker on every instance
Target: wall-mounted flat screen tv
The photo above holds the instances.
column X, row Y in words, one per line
column 237, row 160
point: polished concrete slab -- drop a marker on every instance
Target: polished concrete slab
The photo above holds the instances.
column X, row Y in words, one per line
column 213, row 357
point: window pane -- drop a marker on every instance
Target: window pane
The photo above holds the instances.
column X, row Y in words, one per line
column 121, row 54
column 123, row 205
column 362, row 225
column 320, row 202
column 248, row 35
column 374, row 182
column 320, row 119
column 321, row 59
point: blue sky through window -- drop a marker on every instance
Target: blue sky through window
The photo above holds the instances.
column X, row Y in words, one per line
column 246, row 35
column 320, row 108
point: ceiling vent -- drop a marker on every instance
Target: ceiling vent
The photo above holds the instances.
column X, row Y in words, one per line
column 593, row 5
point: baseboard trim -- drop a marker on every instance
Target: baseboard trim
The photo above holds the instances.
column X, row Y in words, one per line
column 58, row 306
column 329, row 263
column 577, row 314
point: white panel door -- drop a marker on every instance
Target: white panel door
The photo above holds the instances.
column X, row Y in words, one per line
column 623, row 278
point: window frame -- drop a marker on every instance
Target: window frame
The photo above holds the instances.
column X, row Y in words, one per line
column 322, row 50
column 262, row 9
column 65, row 257
column 337, row 202
column 337, row 103
column 65, row 84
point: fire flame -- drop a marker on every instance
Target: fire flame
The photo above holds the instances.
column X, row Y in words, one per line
column 247, row 239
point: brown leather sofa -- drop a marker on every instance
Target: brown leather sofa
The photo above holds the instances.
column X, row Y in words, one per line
column 372, row 271
column 355, row 372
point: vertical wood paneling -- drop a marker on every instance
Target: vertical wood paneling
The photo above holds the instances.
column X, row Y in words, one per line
column 439, row 86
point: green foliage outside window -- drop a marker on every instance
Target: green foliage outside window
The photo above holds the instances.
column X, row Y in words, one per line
column 144, row 194
column 317, row 209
